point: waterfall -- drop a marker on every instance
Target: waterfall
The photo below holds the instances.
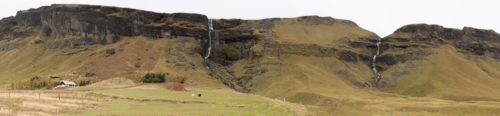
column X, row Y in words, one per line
column 375, row 71
column 210, row 29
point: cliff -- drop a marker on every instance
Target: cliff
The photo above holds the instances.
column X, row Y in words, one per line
column 80, row 26
column 431, row 60
column 100, row 24
column 314, row 60
column 410, row 41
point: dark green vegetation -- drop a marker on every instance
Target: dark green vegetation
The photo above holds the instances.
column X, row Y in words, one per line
column 153, row 78
column 84, row 82
column 322, row 63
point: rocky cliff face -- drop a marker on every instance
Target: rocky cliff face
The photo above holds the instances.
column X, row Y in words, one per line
column 409, row 42
column 234, row 40
column 250, row 41
column 101, row 25
column 253, row 40
column 71, row 26
column 413, row 42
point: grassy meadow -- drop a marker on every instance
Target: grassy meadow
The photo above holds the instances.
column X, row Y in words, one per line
column 183, row 103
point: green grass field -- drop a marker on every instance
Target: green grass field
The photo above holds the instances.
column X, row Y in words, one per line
column 184, row 104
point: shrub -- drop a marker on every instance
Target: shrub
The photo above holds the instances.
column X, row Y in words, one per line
column 84, row 82
column 33, row 83
column 153, row 78
column 87, row 74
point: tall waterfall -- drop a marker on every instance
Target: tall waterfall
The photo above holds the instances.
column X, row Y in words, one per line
column 375, row 71
column 210, row 29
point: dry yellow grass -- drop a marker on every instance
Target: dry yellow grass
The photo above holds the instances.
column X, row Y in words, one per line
column 323, row 35
column 134, row 57
column 111, row 83
column 48, row 103
column 452, row 75
column 313, row 82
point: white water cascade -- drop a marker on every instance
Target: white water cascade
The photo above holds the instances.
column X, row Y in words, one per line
column 375, row 71
column 210, row 29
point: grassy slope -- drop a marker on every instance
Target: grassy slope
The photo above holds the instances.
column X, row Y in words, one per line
column 325, row 85
column 32, row 60
column 451, row 75
column 313, row 70
column 150, row 54
column 318, row 34
column 316, row 81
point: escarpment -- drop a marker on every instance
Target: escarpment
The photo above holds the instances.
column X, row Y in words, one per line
column 246, row 43
column 244, row 54
column 410, row 42
column 87, row 24
column 241, row 50
column 415, row 42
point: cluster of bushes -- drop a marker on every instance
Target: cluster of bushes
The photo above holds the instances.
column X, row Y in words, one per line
column 84, row 82
column 34, row 83
column 162, row 77
column 153, row 78
column 42, row 83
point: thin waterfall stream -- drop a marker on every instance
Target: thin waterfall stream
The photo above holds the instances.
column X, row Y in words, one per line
column 210, row 29
column 374, row 68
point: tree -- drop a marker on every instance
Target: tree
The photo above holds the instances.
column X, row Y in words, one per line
column 162, row 77
column 146, row 78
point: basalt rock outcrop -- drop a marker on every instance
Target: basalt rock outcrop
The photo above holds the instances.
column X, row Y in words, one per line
column 409, row 42
column 235, row 40
column 412, row 42
column 87, row 24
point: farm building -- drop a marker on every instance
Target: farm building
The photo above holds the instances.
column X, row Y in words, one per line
column 65, row 84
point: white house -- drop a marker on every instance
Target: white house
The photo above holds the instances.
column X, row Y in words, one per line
column 65, row 84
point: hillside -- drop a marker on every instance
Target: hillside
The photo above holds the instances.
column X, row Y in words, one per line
column 430, row 60
column 316, row 65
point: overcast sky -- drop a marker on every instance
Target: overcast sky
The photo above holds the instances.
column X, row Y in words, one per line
column 379, row 16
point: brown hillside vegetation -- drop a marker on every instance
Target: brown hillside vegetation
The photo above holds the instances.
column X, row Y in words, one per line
column 307, row 65
column 429, row 60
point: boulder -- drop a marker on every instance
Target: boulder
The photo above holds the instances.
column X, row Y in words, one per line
column 37, row 41
column 110, row 51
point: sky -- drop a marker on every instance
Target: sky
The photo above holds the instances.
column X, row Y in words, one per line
column 380, row 16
